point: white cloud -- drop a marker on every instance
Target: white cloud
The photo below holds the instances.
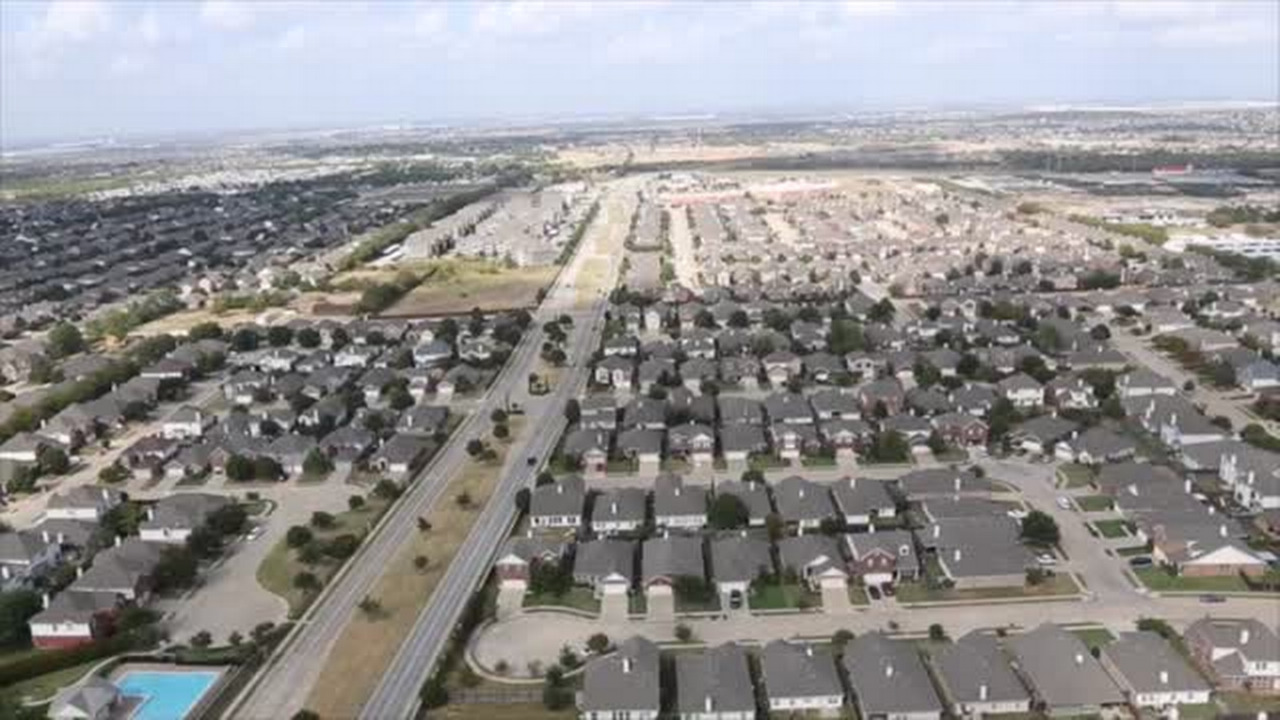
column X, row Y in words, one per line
column 74, row 20
column 149, row 27
column 227, row 14
column 1218, row 34
column 870, row 8
column 430, row 21
column 127, row 64
column 295, row 38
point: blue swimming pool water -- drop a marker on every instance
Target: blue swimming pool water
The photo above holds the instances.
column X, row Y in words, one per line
column 166, row 695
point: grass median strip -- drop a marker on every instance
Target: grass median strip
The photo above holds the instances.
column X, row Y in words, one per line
column 370, row 641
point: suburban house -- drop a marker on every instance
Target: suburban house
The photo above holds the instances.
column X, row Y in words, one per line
column 800, row 679
column 558, row 504
column 889, row 680
column 802, row 502
column 664, row 560
column 1022, row 390
column 1152, row 674
column 882, row 557
column 25, row 557
column 678, row 506
column 979, row 552
column 976, row 679
column 173, row 518
column 1063, row 676
column 622, row 685
column 607, row 566
column 814, row 559
column 862, row 502
column 1241, row 654
column 736, row 562
column 520, row 555
column 83, row 502
column 124, row 569
column 618, row 511
column 715, row 684
column 755, row 496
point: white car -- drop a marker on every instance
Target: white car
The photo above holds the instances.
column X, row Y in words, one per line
column 1046, row 559
column 1064, row 502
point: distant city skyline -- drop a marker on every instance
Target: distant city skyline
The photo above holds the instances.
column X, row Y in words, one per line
column 78, row 69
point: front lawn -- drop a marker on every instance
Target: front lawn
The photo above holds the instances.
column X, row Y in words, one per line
column 915, row 592
column 577, row 598
column 710, row 603
column 1158, row 579
column 1112, row 529
column 782, row 597
column 1095, row 503
column 1094, row 637
column 1073, row 475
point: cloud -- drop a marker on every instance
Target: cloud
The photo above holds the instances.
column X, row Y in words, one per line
column 149, row 29
column 74, row 20
column 226, row 14
column 430, row 21
column 294, row 38
column 127, row 64
column 870, row 8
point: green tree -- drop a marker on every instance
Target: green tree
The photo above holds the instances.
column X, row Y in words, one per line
column 599, row 643
column 728, row 512
column 113, row 474
column 937, row 633
column 317, row 464
column 355, row 502
column 298, row 535
column 16, row 608
column 176, row 569
column 52, row 460
column 239, row 468
column 205, row 331
column 64, row 339
column 322, row 520
column 1039, row 528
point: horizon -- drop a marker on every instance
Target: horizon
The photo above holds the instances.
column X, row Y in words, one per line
column 84, row 69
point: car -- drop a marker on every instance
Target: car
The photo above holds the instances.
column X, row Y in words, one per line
column 1141, row 561
column 1064, row 502
column 1212, row 599
column 533, row 460
column 1046, row 559
column 254, row 534
column 874, row 592
column 735, row 601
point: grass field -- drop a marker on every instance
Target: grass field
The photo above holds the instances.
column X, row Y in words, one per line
column 45, row 686
column 455, row 286
column 1242, row 702
column 1112, row 529
column 1074, row 476
column 281, row 564
column 368, row 643
column 1094, row 637
column 1158, row 579
column 1095, row 503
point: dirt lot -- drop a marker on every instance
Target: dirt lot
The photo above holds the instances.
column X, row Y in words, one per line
column 457, row 286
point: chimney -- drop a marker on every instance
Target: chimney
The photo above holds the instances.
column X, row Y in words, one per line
column 1079, row 659
column 983, row 691
column 613, row 508
column 1164, row 677
column 871, row 529
column 937, row 531
column 957, row 483
column 801, row 492
column 709, row 704
column 1186, row 486
column 106, row 495
column 79, row 571
column 44, row 601
column 44, row 535
column 151, row 513
column 1244, row 636
column 957, row 555
column 888, row 670
column 4, row 572
column 1222, row 530
column 626, row 665
column 559, row 488
column 808, row 650
column 117, row 541
column 1212, row 510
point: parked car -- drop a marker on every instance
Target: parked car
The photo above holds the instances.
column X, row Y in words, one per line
column 1046, row 559
column 1064, row 502
column 1212, row 599
column 874, row 592
column 1141, row 561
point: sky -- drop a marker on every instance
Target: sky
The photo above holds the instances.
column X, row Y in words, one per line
column 77, row 69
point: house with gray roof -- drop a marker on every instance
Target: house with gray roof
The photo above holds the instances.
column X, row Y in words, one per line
column 1095, row 446
column 598, row 411
column 1151, row 673
column 25, row 557
column 606, row 566
column 124, row 570
column 1040, row 435
column 800, row 679
column 736, row 562
column 617, row 511
column 82, row 502
column 976, row 679
column 519, row 555
column 715, row 684
column 93, row 698
column 400, row 456
column 882, row 557
column 815, row 560
column 663, row 560
column 558, row 504
column 172, row 519
column 755, row 496
column 944, row 482
column 622, row 685
column 862, row 502
column 677, row 505
column 835, row 405
column 889, row 679
column 735, row 410
column 1237, row 653
column 739, row 442
column 1064, row 678
column 979, row 552
column 802, row 502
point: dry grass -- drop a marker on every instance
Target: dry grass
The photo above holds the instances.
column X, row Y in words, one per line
column 457, row 286
column 368, row 643
column 503, row 712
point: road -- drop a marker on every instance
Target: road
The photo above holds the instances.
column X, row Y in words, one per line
column 396, row 695
column 282, row 687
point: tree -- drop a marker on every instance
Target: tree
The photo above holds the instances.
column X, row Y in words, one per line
column 463, row 499
column 475, row 447
column 1100, row 332
column 176, row 569
column 205, row 331
column 882, row 311
column 421, row 562
column 298, row 535
column 1036, row 576
column 52, row 460
column 386, row 490
column 306, row 581
column 399, row 397
column 64, row 339
column 841, row 638
column 316, row 464
column 498, row 416
column 501, row 431
column 937, row 633
column 342, row 546
column 202, row 639
column 355, row 502
column 598, row 643
column 684, row 633
column 424, row 525
column 370, row 605
column 322, row 520
column 435, row 694
column 555, row 694
column 113, row 474
column 522, row 500
column 16, row 608
column 728, row 512
column 1039, row 528
column 569, row 659
column 305, row 714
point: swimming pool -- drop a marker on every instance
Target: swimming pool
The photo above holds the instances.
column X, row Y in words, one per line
column 165, row 695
